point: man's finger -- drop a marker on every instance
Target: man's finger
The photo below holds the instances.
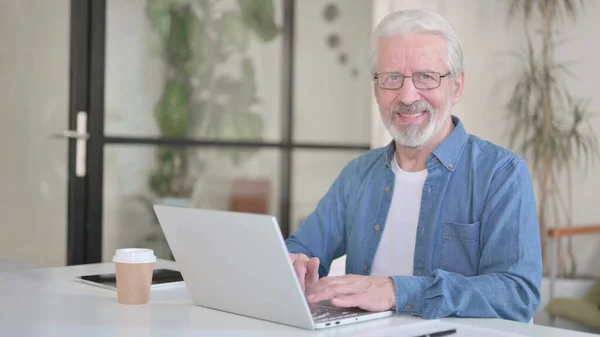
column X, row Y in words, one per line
column 301, row 270
column 298, row 257
column 312, row 271
column 361, row 300
column 317, row 294
column 330, row 281
column 348, row 301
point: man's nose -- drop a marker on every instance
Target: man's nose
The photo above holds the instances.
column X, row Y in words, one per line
column 408, row 94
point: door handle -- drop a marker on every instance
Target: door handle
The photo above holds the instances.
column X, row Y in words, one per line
column 71, row 134
column 81, row 136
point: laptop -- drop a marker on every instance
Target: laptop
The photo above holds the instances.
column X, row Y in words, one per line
column 238, row 263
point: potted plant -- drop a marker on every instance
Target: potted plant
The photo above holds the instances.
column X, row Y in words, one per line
column 195, row 39
column 549, row 125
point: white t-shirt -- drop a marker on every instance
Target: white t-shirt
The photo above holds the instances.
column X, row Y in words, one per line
column 396, row 250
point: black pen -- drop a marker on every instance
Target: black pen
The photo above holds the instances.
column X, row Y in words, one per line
column 439, row 333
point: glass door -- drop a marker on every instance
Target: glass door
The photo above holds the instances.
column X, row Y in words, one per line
column 191, row 103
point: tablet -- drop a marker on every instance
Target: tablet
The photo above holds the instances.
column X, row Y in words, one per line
column 160, row 278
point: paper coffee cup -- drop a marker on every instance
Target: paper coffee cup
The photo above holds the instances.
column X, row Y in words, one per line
column 134, row 267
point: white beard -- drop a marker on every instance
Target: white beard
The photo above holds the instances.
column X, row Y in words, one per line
column 412, row 136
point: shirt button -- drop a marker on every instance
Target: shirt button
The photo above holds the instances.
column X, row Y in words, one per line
column 408, row 308
column 366, row 267
column 377, row 228
column 387, row 188
column 451, row 165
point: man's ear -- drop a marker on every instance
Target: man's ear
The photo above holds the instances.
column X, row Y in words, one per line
column 458, row 87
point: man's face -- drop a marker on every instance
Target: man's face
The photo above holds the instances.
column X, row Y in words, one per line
column 414, row 116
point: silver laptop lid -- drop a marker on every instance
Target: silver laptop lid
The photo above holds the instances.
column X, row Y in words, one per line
column 235, row 262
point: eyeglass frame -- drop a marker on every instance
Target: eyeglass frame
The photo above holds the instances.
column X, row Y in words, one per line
column 376, row 76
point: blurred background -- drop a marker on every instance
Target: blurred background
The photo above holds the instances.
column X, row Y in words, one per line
column 110, row 106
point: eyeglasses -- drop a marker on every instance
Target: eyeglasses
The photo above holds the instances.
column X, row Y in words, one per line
column 422, row 80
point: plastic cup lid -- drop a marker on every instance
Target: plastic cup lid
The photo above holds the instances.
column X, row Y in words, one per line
column 134, row 255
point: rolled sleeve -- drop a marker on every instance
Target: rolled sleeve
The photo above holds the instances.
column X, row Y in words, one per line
column 410, row 294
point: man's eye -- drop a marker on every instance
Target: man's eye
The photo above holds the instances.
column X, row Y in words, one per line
column 393, row 77
column 426, row 77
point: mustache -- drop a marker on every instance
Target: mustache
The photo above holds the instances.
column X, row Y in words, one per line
column 416, row 106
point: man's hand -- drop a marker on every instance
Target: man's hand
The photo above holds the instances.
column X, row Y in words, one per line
column 307, row 269
column 371, row 293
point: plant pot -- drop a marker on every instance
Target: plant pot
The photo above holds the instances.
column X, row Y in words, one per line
column 176, row 202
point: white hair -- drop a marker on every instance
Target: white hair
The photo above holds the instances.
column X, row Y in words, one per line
column 419, row 21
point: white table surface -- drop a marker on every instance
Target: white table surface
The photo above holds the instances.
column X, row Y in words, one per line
column 6, row 265
column 47, row 302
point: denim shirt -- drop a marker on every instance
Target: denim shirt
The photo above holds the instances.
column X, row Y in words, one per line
column 478, row 250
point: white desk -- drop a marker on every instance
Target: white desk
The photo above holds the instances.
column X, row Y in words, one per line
column 6, row 266
column 47, row 302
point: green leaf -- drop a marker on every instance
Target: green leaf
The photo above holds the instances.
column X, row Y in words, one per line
column 159, row 13
column 555, row 8
column 201, row 54
column 178, row 41
column 523, row 6
column 259, row 16
column 231, row 27
column 160, row 181
column 247, row 95
column 172, row 110
column 226, row 84
column 196, row 37
column 210, row 126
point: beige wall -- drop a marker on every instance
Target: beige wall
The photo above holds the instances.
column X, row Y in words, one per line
column 34, row 89
column 485, row 32
column 330, row 105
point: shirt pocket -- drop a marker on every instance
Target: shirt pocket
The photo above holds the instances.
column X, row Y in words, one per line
column 460, row 248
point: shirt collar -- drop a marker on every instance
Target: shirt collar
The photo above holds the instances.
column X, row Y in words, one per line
column 448, row 152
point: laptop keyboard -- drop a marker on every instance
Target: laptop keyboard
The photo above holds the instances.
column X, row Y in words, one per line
column 325, row 313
